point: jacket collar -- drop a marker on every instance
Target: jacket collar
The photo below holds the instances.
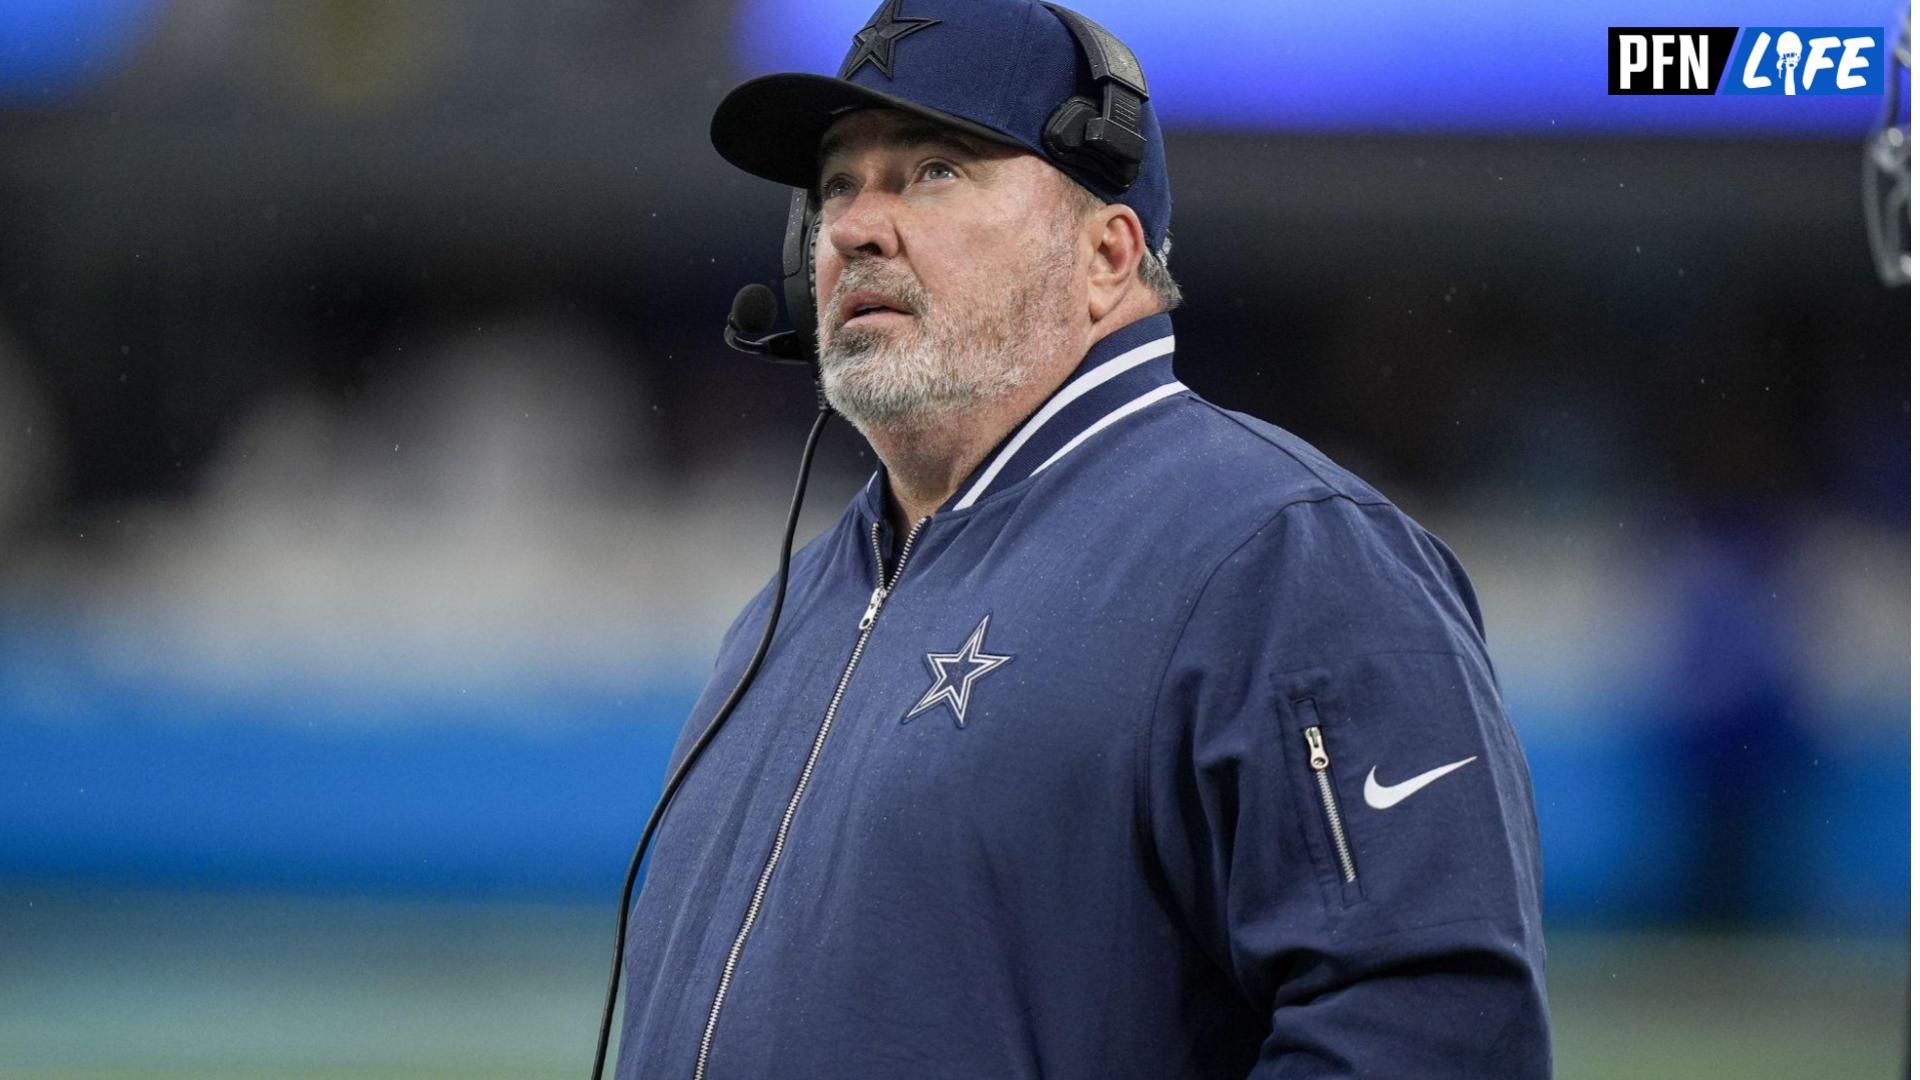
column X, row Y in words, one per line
column 1124, row 372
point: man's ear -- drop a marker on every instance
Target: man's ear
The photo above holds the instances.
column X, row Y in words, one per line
column 1118, row 245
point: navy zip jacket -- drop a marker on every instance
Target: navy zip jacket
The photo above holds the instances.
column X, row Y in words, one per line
column 1166, row 749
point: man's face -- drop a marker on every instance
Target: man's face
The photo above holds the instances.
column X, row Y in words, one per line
column 947, row 269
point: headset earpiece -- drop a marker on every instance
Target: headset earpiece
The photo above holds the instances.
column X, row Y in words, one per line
column 796, row 270
column 1079, row 137
column 1105, row 138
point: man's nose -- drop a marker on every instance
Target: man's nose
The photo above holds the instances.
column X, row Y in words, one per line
column 867, row 225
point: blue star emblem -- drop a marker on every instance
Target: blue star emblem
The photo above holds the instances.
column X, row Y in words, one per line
column 875, row 41
column 954, row 674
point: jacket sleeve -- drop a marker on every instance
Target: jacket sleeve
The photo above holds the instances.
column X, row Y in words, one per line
column 1341, row 810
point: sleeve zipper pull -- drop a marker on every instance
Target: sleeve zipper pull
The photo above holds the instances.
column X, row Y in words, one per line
column 1317, row 750
column 873, row 607
column 1317, row 757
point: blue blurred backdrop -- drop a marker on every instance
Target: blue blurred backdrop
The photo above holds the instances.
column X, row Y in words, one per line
column 374, row 486
column 234, row 650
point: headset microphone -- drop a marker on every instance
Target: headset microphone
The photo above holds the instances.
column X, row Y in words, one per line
column 749, row 327
column 752, row 317
column 753, row 310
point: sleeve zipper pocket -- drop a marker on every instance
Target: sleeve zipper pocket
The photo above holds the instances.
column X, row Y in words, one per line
column 1318, row 758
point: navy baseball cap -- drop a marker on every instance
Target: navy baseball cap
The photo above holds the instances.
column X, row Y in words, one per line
column 996, row 69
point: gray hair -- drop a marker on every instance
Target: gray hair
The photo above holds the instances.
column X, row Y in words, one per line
column 1153, row 263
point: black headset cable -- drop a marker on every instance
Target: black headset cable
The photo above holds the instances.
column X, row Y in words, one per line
column 713, row 727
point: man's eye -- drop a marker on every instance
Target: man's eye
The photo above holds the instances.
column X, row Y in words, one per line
column 938, row 170
column 835, row 187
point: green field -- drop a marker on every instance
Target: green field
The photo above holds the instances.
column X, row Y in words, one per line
column 139, row 987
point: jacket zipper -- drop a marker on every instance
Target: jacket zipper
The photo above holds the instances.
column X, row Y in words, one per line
column 1317, row 757
column 883, row 589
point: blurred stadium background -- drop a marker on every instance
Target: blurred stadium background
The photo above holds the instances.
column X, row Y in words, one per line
column 374, row 486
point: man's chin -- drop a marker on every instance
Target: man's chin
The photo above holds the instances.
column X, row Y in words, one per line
column 871, row 404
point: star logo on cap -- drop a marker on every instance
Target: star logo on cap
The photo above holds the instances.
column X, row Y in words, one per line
column 954, row 674
column 876, row 40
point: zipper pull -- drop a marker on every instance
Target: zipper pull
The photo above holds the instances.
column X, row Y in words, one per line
column 1316, row 750
column 873, row 607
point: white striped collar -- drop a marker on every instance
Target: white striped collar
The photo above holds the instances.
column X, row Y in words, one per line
column 1126, row 371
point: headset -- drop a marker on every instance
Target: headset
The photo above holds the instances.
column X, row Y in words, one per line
column 1099, row 143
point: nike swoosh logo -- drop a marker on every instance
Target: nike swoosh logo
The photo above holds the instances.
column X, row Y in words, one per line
column 1382, row 797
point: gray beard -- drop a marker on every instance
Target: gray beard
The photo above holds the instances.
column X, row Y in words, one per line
column 930, row 376
column 952, row 359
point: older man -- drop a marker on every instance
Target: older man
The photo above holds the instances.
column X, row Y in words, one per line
column 1109, row 733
